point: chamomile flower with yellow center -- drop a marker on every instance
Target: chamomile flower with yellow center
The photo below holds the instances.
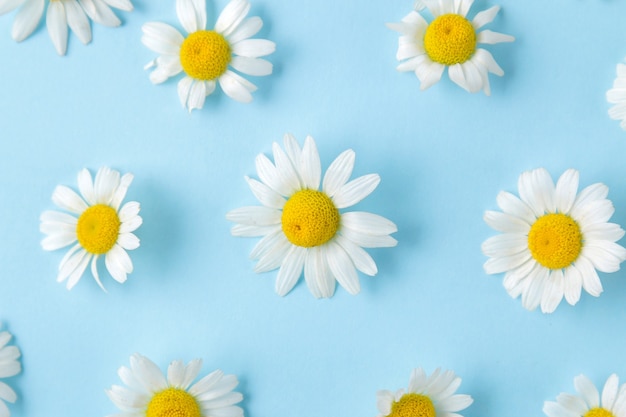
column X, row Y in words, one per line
column 588, row 402
column 302, row 226
column 149, row 393
column 62, row 14
column 9, row 366
column 206, row 55
column 553, row 239
column 426, row 396
column 449, row 40
column 99, row 223
column 617, row 96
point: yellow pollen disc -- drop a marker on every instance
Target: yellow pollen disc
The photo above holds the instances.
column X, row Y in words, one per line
column 310, row 218
column 450, row 39
column 205, row 55
column 98, row 228
column 598, row 412
column 173, row 402
column 555, row 240
column 413, row 405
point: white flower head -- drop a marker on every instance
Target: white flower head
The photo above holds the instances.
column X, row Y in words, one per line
column 449, row 40
column 149, row 393
column 301, row 225
column 206, row 55
column 9, row 366
column 553, row 239
column 617, row 96
column 589, row 403
column 98, row 222
column 426, row 396
column 62, row 14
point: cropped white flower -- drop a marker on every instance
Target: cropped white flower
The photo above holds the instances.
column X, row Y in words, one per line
column 617, row 96
column 588, row 403
column 9, row 366
column 60, row 15
column 148, row 393
column 450, row 40
column 553, row 239
column 205, row 55
column 101, row 228
column 301, row 226
column 427, row 396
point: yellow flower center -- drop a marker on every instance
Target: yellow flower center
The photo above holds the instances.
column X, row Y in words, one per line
column 450, row 39
column 413, row 405
column 98, row 228
column 173, row 402
column 205, row 55
column 310, row 218
column 555, row 240
column 598, row 412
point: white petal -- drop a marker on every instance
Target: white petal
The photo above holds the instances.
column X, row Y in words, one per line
column 78, row 22
column 147, row 373
column 553, row 291
column 206, row 384
column 314, row 265
column 176, row 373
column 251, row 66
column 106, row 182
column 125, row 5
column 253, row 48
column 367, row 223
column 485, row 16
column 356, row 190
column 162, row 38
column 232, row 15
column 248, row 28
column 361, row 259
column 310, row 165
column 27, row 19
column 506, row 223
column 566, row 189
column 57, row 26
column 6, row 393
column 197, row 95
column 255, row 215
column 591, row 281
column 573, row 285
column 290, row 270
column 609, row 392
column 118, row 263
column 191, row 372
column 100, row 12
column 9, row 5
column 365, row 240
column 490, row 37
column 190, row 17
column 184, row 87
column 121, row 190
column 342, row 268
column 234, row 88
column 338, row 173
column 128, row 241
column 587, row 390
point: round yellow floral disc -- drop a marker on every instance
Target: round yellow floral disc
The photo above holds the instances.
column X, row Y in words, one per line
column 98, row 229
column 205, row 55
column 309, row 218
column 555, row 240
column 413, row 405
column 450, row 39
column 173, row 402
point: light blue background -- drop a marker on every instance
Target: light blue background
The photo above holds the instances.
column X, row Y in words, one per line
column 443, row 155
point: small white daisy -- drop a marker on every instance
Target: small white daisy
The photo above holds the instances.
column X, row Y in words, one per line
column 302, row 227
column 553, row 239
column 148, row 393
column 617, row 96
column 427, row 396
column 101, row 228
column 60, row 15
column 588, row 403
column 450, row 40
column 205, row 55
column 9, row 366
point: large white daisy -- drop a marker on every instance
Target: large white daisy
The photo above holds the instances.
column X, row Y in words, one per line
column 61, row 14
column 149, row 393
column 9, row 366
column 427, row 396
column 553, row 239
column 617, row 96
column 589, row 403
column 302, row 227
column 101, row 228
column 205, row 55
column 449, row 40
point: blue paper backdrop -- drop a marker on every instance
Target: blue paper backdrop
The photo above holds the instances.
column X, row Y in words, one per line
column 443, row 155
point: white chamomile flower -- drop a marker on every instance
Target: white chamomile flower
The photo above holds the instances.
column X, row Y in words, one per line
column 427, row 396
column 589, row 403
column 62, row 14
column 9, row 366
column 149, row 393
column 302, row 227
column 205, row 55
column 449, row 40
column 102, row 226
column 553, row 239
column 617, row 96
